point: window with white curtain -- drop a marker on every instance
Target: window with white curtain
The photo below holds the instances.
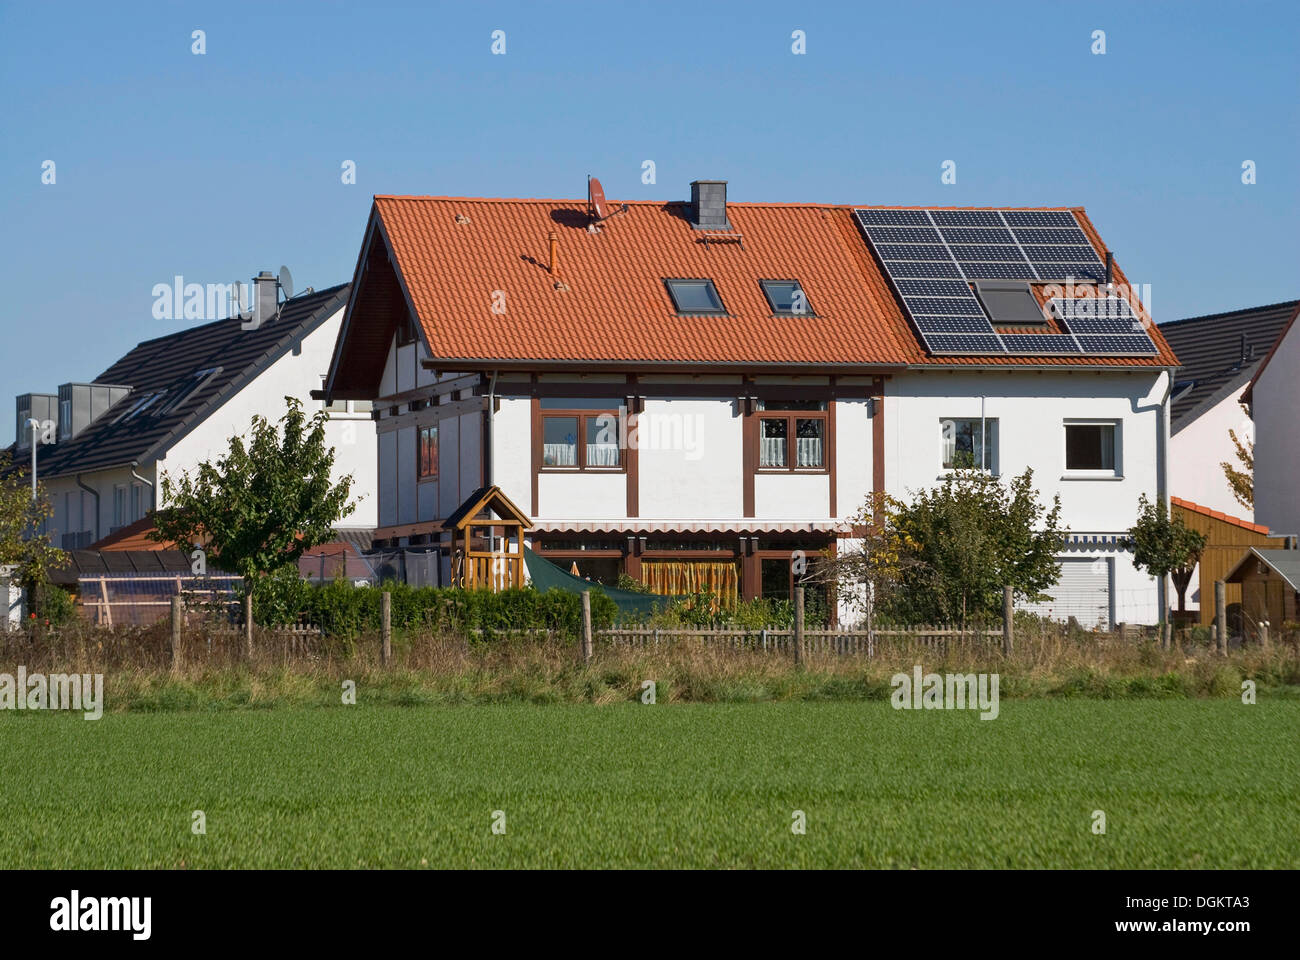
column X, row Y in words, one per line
column 581, row 434
column 792, row 435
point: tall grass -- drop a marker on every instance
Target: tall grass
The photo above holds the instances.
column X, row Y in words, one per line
column 440, row 667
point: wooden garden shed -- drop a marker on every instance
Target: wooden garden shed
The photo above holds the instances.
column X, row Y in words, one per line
column 1269, row 583
column 1226, row 537
column 487, row 545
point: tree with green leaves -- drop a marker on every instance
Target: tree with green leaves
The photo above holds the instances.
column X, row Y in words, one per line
column 256, row 509
column 22, row 544
column 1164, row 546
column 945, row 556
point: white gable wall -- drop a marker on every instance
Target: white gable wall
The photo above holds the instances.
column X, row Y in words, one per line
column 1275, row 403
column 1197, row 450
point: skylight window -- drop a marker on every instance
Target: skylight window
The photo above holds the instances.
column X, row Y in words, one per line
column 1010, row 303
column 695, row 296
column 787, row 297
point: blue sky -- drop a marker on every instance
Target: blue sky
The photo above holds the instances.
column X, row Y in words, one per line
column 215, row 166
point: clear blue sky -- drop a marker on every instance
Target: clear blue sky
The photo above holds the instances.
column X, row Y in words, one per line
column 216, row 166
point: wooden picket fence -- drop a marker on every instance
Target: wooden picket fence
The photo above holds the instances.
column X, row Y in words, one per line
column 847, row 641
column 294, row 642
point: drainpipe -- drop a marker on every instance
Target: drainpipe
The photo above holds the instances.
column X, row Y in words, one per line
column 94, row 493
column 491, row 408
column 145, row 480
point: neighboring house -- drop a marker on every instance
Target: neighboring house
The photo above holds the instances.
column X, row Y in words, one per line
column 698, row 394
column 1274, row 400
column 175, row 401
column 1219, row 355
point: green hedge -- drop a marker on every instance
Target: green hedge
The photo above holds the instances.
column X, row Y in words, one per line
column 341, row 609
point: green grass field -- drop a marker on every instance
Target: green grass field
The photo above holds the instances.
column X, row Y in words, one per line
column 1182, row 784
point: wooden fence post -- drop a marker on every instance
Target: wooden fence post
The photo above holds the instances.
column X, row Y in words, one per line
column 1263, row 634
column 798, row 625
column 1007, row 628
column 586, row 626
column 386, row 625
column 1221, row 615
column 178, row 617
column 248, row 624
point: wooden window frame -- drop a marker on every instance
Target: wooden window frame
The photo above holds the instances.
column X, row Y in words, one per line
column 790, row 417
column 582, row 416
column 420, row 475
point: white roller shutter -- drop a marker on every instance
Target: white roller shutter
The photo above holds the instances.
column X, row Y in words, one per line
column 1083, row 592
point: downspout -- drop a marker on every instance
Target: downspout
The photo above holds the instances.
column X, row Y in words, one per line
column 134, row 464
column 491, row 408
column 94, row 493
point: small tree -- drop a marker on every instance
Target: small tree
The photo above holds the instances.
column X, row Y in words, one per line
column 1241, row 480
column 259, row 507
column 1165, row 547
column 21, row 543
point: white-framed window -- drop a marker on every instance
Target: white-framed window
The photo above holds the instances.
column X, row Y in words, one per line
column 65, row 418
column 137, row 501
column 1093, row 449
column 119, row 505
column 969, row 443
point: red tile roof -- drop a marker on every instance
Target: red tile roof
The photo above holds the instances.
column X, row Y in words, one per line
column 453, row 253
column 1218, row 515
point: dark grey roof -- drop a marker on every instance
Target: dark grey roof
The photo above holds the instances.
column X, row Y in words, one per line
column 1210, row 349
column 90, row 562
column 169, row 368
column 1285, row 562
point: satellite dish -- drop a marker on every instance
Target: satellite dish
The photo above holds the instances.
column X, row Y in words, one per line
column 285, row 279
column 597, row 206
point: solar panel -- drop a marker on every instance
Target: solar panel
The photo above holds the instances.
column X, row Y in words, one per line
column 1118, row 344
column 1040, row 218
column 1040, row 343
column 1104, row 325
column 980, row 344
column 934, row 288
column 977, row 235
column 902, row 268
column 931, row 256
column 966, row 218
column 913, row 251
column 903, row 234
column 997, row 271
column 886, row 217
column 944, row 306
column 1063, row 253
column 928, row 324
column 1051, row 235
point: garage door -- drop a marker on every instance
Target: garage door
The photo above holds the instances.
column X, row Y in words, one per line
column 1083, row 592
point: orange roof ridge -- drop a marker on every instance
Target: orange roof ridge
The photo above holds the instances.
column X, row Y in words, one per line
column 1219, row 515
column 813, row 204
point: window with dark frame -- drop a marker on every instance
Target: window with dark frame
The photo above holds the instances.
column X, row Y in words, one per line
column 1090, row 446
column 427, row 455
column 787, row 298
column 792, row 435
column 581, row 434
column 694, row 297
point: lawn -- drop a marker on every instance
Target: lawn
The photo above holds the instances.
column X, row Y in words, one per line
column 1182, row 783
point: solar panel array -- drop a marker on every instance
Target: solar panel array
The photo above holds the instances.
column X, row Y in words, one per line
column 931, row 256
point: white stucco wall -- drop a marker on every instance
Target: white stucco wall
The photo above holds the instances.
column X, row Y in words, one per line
column 1197, row 450
column 1276, row 407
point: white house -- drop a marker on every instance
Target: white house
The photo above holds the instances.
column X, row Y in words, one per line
column 1218, row 356
column 698, row 394
column 1274, row 400
column 175, row 401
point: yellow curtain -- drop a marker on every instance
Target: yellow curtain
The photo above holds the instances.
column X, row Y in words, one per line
column 675, row 577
